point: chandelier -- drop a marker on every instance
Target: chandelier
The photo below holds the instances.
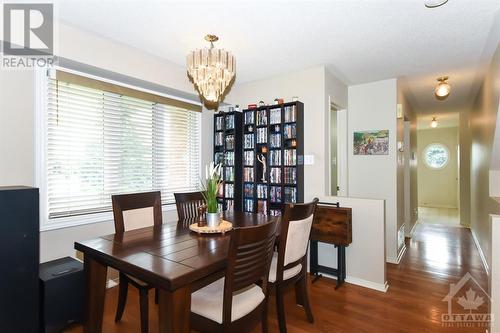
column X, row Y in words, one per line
column 211, row 70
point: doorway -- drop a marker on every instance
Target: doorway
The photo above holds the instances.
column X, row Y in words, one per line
column 337, row 151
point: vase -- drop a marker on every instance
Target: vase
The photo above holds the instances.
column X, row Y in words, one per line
column 213, row 220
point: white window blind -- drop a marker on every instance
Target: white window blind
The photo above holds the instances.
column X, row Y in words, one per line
column 101, row 143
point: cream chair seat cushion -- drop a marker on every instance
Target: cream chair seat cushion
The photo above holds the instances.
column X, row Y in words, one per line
column 207, row 302
column 287, row 274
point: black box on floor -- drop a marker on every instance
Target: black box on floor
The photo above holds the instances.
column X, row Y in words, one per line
column 62, row 289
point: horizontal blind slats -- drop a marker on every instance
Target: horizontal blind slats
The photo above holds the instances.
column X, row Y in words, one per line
column 101, row 143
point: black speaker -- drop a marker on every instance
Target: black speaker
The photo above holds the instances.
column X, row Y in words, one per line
column 19, row 260
column 62, row 285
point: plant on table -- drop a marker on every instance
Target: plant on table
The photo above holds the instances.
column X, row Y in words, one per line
column 210, row 188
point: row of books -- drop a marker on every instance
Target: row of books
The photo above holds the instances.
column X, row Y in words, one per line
column 261, row 117
column 290, row 194
column 275, row 157
column 249, row 142
column 230, row 121
column 290, row 113
column 261, row 135
column 248, row 190
column 261, row 191
column 230, row 142
column 219, row 123
column 248, row 175
column 275, row 175
column 248, row 205
column 290, row 157
column 290, row 175
column 275, row 212
column 275, row 116
column 230, row 204
column 275, row 140
column 248, row 117
column 218, row 139
column 229, row 158
column 229, row 190
column 219, row 158
column 290, row 131
column 275, row 193
column 248, row 158
column 229, row 174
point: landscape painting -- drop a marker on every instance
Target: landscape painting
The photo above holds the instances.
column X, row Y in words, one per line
column 371, row 142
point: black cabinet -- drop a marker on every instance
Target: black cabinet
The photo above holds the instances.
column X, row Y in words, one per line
column 19, row 260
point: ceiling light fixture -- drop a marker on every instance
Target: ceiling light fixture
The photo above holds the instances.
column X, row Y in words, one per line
column 434, row 3
column 434, row 122
column 211, row 70
column 443, row 88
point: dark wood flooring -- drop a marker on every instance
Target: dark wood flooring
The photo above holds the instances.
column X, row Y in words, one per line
column 436, row 256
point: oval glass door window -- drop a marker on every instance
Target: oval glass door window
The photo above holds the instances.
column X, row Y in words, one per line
column 436, row 156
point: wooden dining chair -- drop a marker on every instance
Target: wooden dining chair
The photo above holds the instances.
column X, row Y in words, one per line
column 236, row 302
column 289, row 263
column 131, row 211
column 188, row 204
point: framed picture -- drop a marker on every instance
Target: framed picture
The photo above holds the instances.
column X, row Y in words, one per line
column 371, row 142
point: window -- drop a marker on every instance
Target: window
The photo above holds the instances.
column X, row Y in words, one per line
column 436, row 156
column 100, row 142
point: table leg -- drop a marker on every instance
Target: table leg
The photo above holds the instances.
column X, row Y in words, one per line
column 95, row 274
column 174, row 310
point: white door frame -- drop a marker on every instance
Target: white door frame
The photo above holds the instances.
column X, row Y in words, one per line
column 342, row 141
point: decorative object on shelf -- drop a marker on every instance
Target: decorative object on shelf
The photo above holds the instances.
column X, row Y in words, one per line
column 223, row 227
column 434, row 122
column 295, row 98
column 201, row 216
column 230, row 109
column 261, row 103
column 252, row 106
column 278, row 101
column 210, row 189
column 212, row 70
column 443, row 88
column 237, row 108
column 262, row 159
column 371, row 142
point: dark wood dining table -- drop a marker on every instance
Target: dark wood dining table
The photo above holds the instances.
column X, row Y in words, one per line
column 171, row 257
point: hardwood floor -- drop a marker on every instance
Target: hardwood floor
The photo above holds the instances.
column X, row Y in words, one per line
column 436, row 256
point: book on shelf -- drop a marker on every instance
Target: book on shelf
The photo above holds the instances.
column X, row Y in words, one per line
column 248, row 190
column 248, row 205
column 290, row 113
column 230, row 121
column 248, row 158
column 261, row 117
column 275, row 140
column 290, row 175
column 230, row 204
column 229, row 158
column 219, row 158
column 230, row 142
column 249, row 141
column 290, row 157
column 275, row 175
column 275, row 116
column 275, row 193
column 248, row 174
column 290, row 131
column 262, row 135
column 229, row 190
column 275, row 158
column 290, row 194
column 219, row 123
column 218, row 139
column 261, row 191
column 229, row 174
column 275, row 212
column 249, row 117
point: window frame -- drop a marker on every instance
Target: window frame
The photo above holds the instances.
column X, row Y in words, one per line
column 40, row 129
column 424, row 155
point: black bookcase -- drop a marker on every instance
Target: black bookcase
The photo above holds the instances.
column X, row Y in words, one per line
column 228, row 151
column 19, row 259
column 273, row 134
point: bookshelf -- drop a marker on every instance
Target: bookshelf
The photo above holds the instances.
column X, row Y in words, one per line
column 273, row 134
column 228, row 151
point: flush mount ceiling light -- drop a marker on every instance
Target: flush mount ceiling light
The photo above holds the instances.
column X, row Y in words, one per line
column 443, row 88
column 211, row 70
column 434, row 122
column 434, row 3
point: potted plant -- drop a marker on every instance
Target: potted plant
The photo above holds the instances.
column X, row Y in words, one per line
column 210, row 189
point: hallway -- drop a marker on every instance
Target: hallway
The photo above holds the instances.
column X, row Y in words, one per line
column 436, row 256
column 441, row 216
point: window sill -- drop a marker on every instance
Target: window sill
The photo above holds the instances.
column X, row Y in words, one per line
column 77, row 221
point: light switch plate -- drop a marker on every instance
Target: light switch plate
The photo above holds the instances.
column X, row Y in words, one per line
column 308, row 159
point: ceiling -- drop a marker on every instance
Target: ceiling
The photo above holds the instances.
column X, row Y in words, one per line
column 359, row 41
column 447, row 119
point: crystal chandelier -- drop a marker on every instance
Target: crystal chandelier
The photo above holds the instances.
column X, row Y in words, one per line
column 211, row 70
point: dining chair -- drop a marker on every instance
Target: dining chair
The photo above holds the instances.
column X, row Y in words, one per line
column 238, row 301
column 187, row 206
column 289, row 263
column 131, row 211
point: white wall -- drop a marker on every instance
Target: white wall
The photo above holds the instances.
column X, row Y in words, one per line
column 372, row 106
column 17, row 105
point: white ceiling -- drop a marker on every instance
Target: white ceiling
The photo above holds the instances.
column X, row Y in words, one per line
column 359, row 41
column 448, row 119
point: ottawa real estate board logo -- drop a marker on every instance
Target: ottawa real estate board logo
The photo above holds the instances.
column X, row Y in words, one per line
column 28, row 35
column 467, row 305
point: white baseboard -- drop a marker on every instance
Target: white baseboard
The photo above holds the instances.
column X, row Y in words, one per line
column 481, row 253
column 362, row 283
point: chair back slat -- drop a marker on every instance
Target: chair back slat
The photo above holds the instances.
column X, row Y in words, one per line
column 249, row 259
column 130, row 211
column 188, row 203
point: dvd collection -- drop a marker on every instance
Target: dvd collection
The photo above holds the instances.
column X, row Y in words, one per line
column 249, row 141
column 229, row 174
column 248, row 190
column 262, row 135
column 290, row 114
column 290, row 175
column 275, row 193
column 230, row 121
column 248, row 205
column 275, row 140
column 275, row 158
column 262, row 207
column 275, row 212
column 290, row 131
column 275, row 175
column 275, row 116
column 219, row 121
column 248, row 174
column 249, row 117
column 248, row 158
column 229, row 190
column 290, row 194
column 218, row 139
column 290, row 157
column 229, row 160
column 261, row 191
column 261, row 117
column 230, row 142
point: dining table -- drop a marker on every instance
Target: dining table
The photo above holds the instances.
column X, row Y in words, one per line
column 171, row 257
